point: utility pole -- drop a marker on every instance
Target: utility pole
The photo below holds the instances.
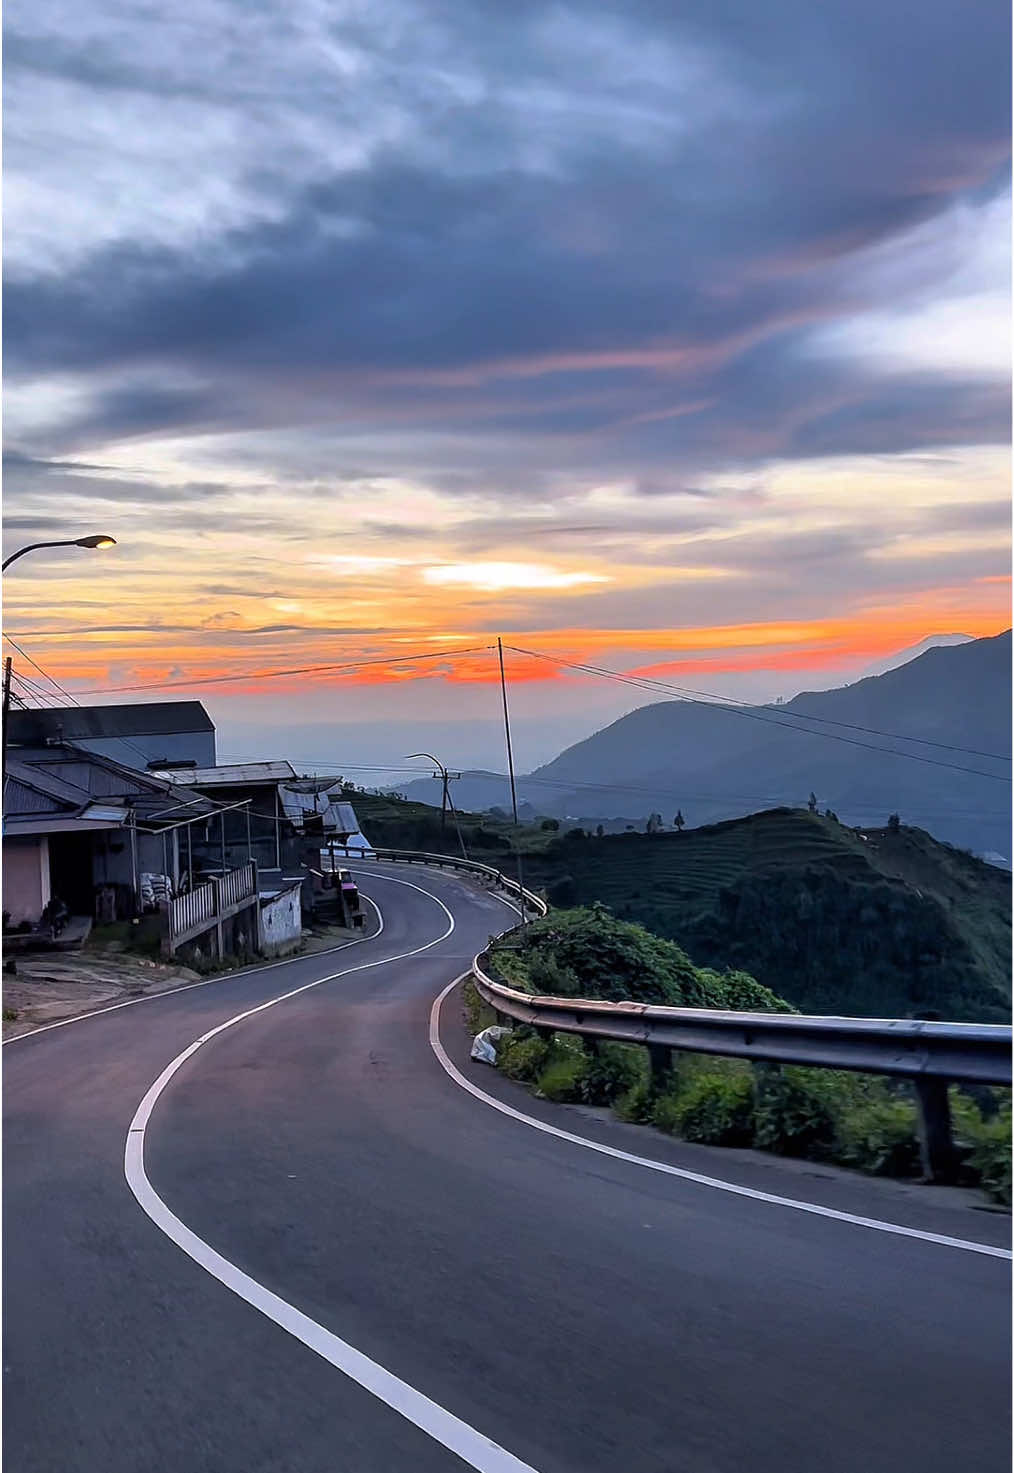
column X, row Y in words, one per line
column 510, row 772
column 6, row 712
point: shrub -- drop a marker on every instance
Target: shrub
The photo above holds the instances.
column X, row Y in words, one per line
column 590, row 953
column 795, row 1112
column 637, row 1104
column 614, row 1070
column 478, row 1014
column 714, row 1110
column 562, row 1078
column 522, row 1055
column 989, row 1141
column 880, row 1136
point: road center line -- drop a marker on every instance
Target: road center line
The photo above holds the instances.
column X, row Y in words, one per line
column 716, row 1183
column 476, row 1450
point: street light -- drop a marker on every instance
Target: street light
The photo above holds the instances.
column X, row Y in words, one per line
column 95, row 540
column 445, row 798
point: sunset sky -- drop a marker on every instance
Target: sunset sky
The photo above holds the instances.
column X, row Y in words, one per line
column 667, row 337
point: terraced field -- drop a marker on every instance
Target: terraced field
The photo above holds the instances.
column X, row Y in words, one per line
column 875, row 922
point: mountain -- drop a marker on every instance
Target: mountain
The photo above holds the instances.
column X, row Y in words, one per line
column 883, row 923
column 902, row 657
column 885, row 744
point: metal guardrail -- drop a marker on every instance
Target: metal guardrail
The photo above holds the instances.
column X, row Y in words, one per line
column 974, row 1053
column 929, row 1054
column 532, row 901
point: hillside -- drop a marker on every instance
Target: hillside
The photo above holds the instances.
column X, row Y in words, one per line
column 889, row 924
column 716, row 762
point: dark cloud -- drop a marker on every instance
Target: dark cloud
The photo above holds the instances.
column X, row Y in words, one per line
column 653, row 285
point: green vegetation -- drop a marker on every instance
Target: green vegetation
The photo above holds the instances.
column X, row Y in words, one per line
column 889, row 923
column 590, row 953
column 10, row 1015
column 855, row 1120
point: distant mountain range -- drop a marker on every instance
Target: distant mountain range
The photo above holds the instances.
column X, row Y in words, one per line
column 854, row 748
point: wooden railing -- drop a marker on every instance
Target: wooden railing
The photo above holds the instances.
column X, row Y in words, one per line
column 187, row 913
column 205, row 908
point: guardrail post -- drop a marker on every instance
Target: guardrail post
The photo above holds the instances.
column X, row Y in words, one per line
column 661, row 1065
column 939, row 1158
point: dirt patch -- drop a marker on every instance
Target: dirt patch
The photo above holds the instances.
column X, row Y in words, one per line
column 48, row 988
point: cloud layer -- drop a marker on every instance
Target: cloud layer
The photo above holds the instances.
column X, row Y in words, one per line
column 361, row 324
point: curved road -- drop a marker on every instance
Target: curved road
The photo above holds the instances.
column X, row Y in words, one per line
column 490, row 1287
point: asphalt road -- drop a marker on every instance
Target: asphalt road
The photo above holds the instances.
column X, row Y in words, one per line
column 582, row 1312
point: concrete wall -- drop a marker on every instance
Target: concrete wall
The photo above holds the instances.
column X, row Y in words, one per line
column 25, row 878
column 138, row 751
column 282, row 922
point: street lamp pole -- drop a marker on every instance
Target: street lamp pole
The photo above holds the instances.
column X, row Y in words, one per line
column 445, row 795
column 97, row 540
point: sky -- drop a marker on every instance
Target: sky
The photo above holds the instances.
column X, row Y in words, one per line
column 665, row 338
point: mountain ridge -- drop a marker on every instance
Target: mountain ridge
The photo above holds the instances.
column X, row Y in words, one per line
column 852, row 746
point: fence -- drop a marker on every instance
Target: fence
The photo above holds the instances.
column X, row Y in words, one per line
column 929, row 1054
column 206, row 908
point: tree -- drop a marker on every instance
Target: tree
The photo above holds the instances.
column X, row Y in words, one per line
column 811, row 802
column 679, row 822
column 894, row 823
column 550, row 825
column 599, row 831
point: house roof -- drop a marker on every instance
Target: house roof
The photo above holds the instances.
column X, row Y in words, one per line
column 74, row 723
column 310, row 798
column 65, row 783
column 237, row 775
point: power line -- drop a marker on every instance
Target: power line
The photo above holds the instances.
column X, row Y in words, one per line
column 292, row 670
column 754, row 715
column 681, row 793
column 124, row 740
column 36, row 666
column 705, row 697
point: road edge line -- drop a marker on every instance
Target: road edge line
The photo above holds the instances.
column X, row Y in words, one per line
column 966, row 1245
column 475, row 1449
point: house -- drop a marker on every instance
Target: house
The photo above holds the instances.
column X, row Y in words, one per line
column 287, row 819
column 83, row 828
column 152, row 734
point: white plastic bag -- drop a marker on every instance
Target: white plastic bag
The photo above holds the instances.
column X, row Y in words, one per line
column 484, row 1044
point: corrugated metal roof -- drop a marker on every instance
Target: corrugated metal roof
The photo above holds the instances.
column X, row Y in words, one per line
column 234, row 776
column 19, row 798
column 146, row 718
column 311, row 798
column 73, row 777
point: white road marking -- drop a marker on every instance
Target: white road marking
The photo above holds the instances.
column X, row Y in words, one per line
column 285, row 961
column 476, row 1450
column 716, row 1183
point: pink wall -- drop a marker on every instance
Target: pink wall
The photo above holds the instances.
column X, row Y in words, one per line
column 25, row 877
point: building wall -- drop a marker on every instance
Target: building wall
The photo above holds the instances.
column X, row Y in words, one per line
column 25, row 878
column 138, row 751
column 282, row 922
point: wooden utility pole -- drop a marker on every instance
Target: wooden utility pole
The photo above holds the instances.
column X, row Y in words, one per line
column 510, row 773
column 6, row 713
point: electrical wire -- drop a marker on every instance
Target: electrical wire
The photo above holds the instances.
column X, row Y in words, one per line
column 754, row 715
column 288, row 671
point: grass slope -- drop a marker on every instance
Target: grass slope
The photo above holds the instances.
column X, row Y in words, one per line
column 888, row 924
